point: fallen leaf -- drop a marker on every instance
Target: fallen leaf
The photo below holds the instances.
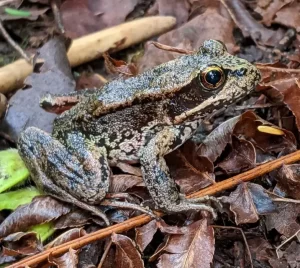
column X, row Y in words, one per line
column 121, row 183
column 242, row 157
column 41, row 209
column 190, row 171
column 288, row 178
column 144, row 234
column 286, row 220
column 213, row 23
column 249, row 201
column 127, row 256
column 55, row 77
column 67, row 236
column 249, row 26
column 81, row 17
column 21, row 244
column 67, row 260
column 193, row 249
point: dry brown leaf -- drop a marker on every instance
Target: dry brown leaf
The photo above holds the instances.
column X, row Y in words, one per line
column 144, row 234
column 121, row 183
column 127, row 256
column 68, row 260
column 241, row 157
column 210, row 24
column 193, row 249
column 248, row 201
column 40, row 210
column 288, row 181
column 119, row 66
column 81, row 17
column 66, row 236
column 21, row 244
column 286, row 220
column 190, row 171
column 249, row 26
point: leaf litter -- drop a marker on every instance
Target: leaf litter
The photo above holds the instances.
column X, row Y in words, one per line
column 266, row 210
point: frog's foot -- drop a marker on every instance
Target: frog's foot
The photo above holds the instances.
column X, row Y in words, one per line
column 203, row 199
column 185, row 206
column 126, row 205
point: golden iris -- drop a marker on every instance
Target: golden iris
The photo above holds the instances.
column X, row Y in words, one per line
column 212, row 77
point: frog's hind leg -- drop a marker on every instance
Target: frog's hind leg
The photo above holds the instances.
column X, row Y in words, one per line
column 159, row 183
column 78, row 177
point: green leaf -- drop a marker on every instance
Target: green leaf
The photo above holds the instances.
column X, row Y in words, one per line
column 11, row 200
column 12, row 169
column 44, row 231
column 17, row 12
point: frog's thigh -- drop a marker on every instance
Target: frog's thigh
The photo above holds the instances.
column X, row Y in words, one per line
column 78, row 174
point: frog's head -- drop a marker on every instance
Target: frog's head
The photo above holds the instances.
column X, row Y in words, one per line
column 221, row 80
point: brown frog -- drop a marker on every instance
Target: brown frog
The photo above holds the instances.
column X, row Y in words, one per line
column 140, row 119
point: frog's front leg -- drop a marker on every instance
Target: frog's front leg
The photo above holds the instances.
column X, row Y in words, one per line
column 70, row 172
column 160, row 185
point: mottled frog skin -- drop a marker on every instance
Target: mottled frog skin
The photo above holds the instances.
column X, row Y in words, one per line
column 140, row 119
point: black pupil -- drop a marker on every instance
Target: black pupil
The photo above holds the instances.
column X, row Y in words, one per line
column 213, row 77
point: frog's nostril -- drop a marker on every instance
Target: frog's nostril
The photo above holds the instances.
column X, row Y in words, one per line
column 241, row 72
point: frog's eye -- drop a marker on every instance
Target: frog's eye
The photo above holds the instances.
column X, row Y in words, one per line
column 212, row 77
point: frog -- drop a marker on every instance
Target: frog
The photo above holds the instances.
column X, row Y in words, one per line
column 139, row 119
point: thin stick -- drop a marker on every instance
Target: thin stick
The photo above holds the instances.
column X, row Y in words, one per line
column 13, row 43
column 143, row 219
column 105, row 253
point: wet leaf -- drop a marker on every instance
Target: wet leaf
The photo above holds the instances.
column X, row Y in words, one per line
column 84, row 17
column 12, row 169
column 193, row 249
column 89, row 80
column 190, row 171
column 40, row 210
column 119, row 66
column 68, row 260
column 55, row 77
column 212, row 23
column 285, row 221
column 250, row 27
column 249, row 201
column 121, row 183
column 288, row 181
column 241, row 157
column 127, row 255
column 144, row 234
column 67, row 236
column 21, row 244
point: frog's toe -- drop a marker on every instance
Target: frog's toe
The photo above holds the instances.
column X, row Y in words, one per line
column 206, row 198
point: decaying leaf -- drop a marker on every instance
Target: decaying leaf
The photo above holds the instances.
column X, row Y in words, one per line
column 286, row 220
column 194, row 248
column 127, row 256
column 40, row 210
column 144, row 234
column 249, row 201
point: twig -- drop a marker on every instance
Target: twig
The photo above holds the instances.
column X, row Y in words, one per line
column 105, row 254
column 13, row 43
column 143, row 219
column 57, row 16
column 285, row 241
column 244, row 237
